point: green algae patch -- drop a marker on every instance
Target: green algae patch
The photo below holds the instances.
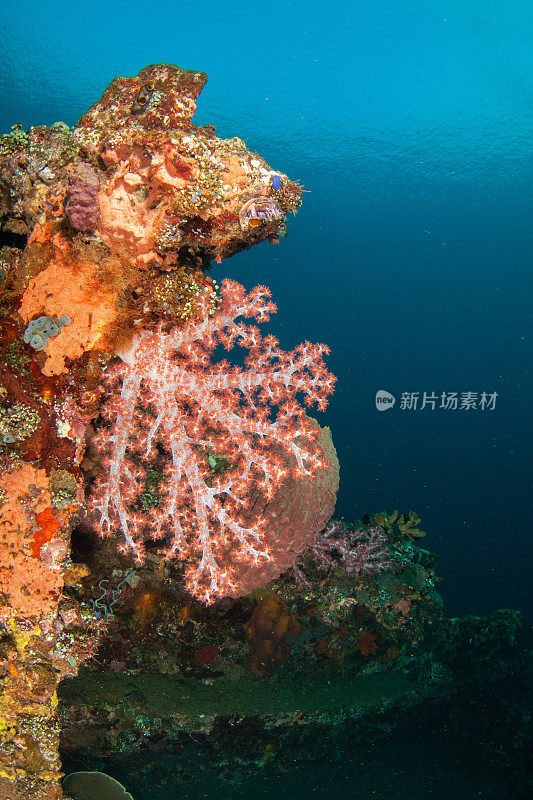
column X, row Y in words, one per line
column 275, row 701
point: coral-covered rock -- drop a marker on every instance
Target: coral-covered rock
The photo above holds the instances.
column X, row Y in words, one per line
column 172, row 185
column 133, row 191
column 111, row 226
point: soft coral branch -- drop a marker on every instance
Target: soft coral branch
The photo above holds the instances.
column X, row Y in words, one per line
column 168, row 394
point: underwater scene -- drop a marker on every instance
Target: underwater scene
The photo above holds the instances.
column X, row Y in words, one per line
column 265, row 400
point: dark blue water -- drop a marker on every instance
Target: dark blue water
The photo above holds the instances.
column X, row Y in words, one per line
column 411, row 126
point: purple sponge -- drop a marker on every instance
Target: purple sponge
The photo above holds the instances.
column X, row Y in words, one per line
column 82, row 205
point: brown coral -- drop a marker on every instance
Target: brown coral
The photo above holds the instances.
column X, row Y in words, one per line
column 266, row 631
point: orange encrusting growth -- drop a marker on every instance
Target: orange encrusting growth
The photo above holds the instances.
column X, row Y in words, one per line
column 29, row 587
column 48, row 526
column 70, row 285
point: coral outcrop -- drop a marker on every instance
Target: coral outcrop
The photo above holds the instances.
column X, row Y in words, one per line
column 107, row 231
column 134, row 187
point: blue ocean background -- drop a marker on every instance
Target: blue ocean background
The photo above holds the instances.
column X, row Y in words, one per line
column 410, row 125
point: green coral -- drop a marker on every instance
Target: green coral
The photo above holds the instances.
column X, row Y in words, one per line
column 151, row 496
column 43, row 144
column 14, row 141
column 217, row 464
column 198, row 196
column 18, row 361
column 62, row 487
column 399, row 526
column 182, row 296
column 17, row 423
column 54, row 146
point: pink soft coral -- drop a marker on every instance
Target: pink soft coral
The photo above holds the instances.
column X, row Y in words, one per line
column 216, row 425
column 363, row 551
